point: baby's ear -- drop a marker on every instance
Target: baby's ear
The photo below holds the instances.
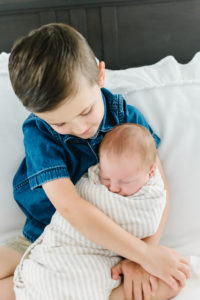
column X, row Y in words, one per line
column 101, row 73
column 152, row 170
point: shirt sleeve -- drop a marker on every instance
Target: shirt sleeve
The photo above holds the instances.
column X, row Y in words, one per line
column 133, row 115
column 45, row 157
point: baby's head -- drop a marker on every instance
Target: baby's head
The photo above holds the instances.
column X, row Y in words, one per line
column 51, row 68
column 127, row 158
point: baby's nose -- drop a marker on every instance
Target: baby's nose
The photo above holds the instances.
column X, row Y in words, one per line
column 114, row 188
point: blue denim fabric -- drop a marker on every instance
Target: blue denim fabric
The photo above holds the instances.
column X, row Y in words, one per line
column 50, row 155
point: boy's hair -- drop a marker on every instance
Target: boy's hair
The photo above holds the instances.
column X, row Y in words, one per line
column 127, row 139
column 45, row 65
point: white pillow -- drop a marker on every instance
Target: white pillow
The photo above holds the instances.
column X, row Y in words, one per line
column 167, row 93
column 12, row 115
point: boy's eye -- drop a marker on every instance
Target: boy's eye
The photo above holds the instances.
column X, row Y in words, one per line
column 87, row 112
column 60, row 125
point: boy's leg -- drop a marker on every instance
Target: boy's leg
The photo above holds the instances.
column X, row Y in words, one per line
column 6, row 289
column 118, row 293
column 9, row 259
column 164, row 292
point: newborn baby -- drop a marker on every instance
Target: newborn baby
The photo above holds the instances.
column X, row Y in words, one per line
column 127, row 187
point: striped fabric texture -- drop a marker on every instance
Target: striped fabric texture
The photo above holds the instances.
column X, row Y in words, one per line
column 63, row 264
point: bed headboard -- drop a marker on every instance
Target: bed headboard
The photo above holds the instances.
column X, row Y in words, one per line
column 122, row 33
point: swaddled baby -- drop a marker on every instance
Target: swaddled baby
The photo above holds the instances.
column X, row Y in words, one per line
column 127, row 187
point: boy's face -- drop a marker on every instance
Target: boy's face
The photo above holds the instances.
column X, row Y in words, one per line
column 80, row 115
column 124, row 175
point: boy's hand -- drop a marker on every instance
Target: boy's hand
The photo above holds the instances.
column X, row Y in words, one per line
column 137, row 282
column 166, row 264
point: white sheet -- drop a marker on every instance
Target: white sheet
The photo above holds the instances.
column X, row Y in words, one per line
column 164, row 87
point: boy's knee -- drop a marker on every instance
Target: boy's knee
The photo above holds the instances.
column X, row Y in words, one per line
column 9, row 259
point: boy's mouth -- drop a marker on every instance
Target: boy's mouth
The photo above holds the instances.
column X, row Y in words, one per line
column 86, row 132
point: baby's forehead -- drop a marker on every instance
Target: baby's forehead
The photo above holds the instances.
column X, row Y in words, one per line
column 123, row 165
column 112, row 157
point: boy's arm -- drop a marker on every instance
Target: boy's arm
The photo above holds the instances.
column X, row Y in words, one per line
column 92, row 222
column 97, row 227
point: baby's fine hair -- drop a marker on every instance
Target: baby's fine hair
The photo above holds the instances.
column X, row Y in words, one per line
column 45, row 66
column 127, row 139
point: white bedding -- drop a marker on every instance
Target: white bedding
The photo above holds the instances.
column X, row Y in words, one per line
column 167, row 93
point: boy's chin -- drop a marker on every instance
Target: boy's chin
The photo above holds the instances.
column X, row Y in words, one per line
column 92, row 131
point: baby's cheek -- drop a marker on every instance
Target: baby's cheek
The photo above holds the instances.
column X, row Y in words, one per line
column 129, row 190
column 103, row 183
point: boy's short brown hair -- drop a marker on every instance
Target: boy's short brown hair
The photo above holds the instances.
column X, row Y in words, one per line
column 127, row 139
column 45, row 65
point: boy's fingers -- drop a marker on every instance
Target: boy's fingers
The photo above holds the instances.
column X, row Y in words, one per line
column 185, row 269
column 154, row 285
column 182, row 283
column 181, row 277
column 171, row 282
column 137, row 291
column 183, row 260
column 128, row 288
column 146, row 287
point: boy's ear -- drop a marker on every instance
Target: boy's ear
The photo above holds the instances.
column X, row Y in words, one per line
column 101, row 73
column 152, row 170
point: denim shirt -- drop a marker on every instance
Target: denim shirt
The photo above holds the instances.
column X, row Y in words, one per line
column 50, row 155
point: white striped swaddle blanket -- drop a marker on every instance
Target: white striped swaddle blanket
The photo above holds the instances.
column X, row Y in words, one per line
column 62, row 264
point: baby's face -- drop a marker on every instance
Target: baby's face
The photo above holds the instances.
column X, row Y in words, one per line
column 123, row 176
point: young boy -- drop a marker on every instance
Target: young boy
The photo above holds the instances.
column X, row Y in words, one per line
column 54, row 73
column 129, row 189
